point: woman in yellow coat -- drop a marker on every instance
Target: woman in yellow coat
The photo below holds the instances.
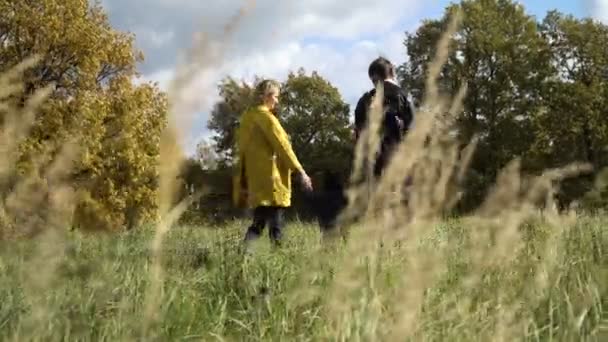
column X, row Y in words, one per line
column 266, row 162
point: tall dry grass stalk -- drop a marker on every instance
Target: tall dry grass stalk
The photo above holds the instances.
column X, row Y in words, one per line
column 387, row 210
column 37, row 201
column 184, row 98
column 40, row 203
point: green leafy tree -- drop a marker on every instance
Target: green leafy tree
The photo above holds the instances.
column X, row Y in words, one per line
column 573, row 127
column 236, row 97
column 499, row 53
column 317, row 120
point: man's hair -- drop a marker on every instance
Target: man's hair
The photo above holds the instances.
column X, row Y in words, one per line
column 265, row 87
column 381, row 69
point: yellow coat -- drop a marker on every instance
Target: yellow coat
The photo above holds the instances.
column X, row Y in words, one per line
column 265, row 161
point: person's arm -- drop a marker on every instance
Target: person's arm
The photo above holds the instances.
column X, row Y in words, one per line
column 406, row 113
column 276, row 135
column 361, row 115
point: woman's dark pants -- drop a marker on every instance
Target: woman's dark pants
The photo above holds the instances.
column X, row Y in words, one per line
column 262, row 216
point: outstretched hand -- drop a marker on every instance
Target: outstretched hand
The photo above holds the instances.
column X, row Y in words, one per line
column 306, row 181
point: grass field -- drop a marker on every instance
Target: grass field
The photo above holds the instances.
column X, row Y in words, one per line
column 502, row 274
column 554, row 286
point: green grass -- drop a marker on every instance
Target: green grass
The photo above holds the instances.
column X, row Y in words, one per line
column 308, row 290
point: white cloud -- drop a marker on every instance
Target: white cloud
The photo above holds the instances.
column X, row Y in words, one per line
column 336, row 38
column 601, row 10
column 267, row 24
column 154, row 38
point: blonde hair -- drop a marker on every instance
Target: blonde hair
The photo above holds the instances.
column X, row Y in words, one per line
column 265, row 87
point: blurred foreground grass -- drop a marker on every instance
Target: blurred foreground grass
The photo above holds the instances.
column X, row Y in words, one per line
column 213, row 292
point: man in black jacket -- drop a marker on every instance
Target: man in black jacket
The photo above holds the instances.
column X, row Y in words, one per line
column 331, row 199
column 398, row 111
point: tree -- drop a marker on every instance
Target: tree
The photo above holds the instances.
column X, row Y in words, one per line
column 317, row 119
column 236, row 97
column 573, row 127
column 119, row 169
column 499, row 53
column 116, row 124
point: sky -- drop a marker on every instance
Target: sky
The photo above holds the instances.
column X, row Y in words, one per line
column 270, row 38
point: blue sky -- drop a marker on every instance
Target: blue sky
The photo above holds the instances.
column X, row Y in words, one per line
column 338, row 38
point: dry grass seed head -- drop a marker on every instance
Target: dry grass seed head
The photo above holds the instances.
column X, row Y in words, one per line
column 184, row 97
column 438, row 165
column 37, row 203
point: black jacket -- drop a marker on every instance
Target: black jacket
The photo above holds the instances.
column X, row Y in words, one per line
column 396, row 103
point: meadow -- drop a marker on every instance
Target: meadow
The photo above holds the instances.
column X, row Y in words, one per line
column 507, row 271
column 552, row 287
